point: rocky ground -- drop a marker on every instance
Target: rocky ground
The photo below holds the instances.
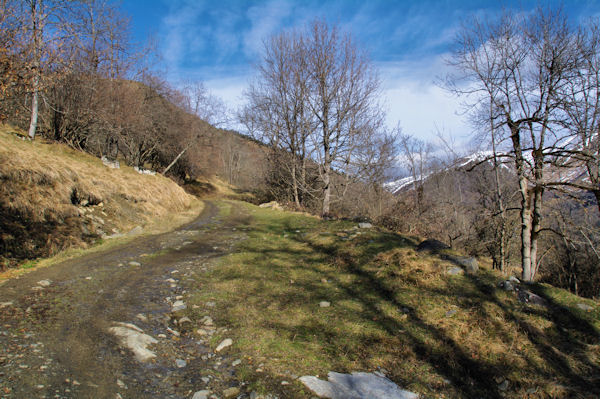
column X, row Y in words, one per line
column 113, row 324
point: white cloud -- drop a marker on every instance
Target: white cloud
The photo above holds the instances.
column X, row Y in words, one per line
column 265, row 20
column 418, row 103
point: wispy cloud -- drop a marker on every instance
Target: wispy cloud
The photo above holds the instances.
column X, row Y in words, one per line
column 218, row 42
column 265, row 20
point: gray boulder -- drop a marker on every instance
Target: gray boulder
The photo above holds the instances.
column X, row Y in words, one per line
column 529, row 297
column 111, row 163
column 455, row 271
column 356, row 386
column 471, row 265
column 506, row 285
column 432, row 245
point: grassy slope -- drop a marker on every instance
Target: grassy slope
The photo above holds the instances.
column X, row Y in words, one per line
column 40, row 183
column 388, row 310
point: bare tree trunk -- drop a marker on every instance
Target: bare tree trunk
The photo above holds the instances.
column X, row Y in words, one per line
column 35, row 26
column 34, row 108
column 525, row 211
column 327, row 188
column 295, row 183
column 175, row 160
column 499, row 202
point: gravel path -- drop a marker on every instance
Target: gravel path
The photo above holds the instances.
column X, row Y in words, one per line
column 57, row 325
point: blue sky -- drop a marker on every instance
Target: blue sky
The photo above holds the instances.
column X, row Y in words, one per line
column 219, row 42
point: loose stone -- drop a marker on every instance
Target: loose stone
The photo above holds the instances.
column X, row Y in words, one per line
column 224, row 344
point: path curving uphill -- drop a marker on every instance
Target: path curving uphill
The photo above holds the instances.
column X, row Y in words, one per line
column 112, row 324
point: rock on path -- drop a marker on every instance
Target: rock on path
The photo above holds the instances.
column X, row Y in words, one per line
column 356, row 386
column 134, row 338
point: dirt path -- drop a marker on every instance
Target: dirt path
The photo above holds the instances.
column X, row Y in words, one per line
column 54, row 339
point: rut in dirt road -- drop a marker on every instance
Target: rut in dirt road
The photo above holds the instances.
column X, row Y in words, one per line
column 55, row 323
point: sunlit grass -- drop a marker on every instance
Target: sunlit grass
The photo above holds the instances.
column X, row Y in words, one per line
column 391, row 308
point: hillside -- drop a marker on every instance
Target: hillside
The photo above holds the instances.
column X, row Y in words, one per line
column 53, row 198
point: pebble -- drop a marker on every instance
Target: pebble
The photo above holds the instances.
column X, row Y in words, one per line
column 177, row 306
column 133, row 263
column 207, row 321
column 141, row 317
column 175, row 333
column 236, row 362
column 231, row 392
column 224, row 344
column 185, row 319
column 585, row 307
column 44, row 283
column 121, row 384
column 201, row 394
column 180, row 363
column 205, row 380
column 88, row 278
column 503, row 386
column 324, row 304
column 451, row 313
column 5, row 304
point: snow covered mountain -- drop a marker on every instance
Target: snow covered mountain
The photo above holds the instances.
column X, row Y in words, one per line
column 406, row 183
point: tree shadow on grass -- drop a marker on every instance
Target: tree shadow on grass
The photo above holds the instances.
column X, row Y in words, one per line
column 468, row 375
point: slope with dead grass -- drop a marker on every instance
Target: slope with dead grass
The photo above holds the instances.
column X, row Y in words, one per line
column 392, row 309
column 53, row 197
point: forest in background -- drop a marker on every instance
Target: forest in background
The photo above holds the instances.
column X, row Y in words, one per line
column 71, row 73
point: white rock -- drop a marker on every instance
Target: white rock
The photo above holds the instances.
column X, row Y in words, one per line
column 585, row 307
column 201, row 394
column 236, row 362
column 180, row 363
column 175, row 333
column 185, row 319
column 44, row 283
column 177, row 306
column 5, row 304
column 133, row 338
column 141, row 317
column 224, row 344
column 356, row 386
column 134, row 263
column 324, row 304
column 365, row 225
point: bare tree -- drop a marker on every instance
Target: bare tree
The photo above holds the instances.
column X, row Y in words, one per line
column 277, row 109
column 415, row 157
column 519, row 65
column 344, row 90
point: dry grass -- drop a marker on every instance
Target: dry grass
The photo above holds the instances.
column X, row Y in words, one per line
column 53, row 198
